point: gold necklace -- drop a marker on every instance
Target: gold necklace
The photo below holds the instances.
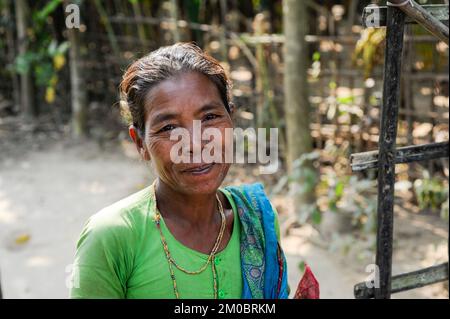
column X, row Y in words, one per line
column 210, row 259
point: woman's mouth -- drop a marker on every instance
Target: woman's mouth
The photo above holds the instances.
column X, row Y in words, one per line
column 199, row 169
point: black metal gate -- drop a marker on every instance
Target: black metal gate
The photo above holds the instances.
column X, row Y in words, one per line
column 394, row 16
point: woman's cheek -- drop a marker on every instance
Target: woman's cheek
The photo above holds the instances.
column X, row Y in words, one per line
column 226, row 143
column 160, row 152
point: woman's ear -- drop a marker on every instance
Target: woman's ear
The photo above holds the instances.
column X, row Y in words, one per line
column 134, row 134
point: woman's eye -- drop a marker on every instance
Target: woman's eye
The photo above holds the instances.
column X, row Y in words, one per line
column 166, row 128
column 209, row 117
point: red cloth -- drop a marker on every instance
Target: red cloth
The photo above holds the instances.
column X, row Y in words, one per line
column 308, row 287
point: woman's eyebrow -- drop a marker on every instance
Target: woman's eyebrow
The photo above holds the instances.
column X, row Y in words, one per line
column 208, row 107
column 162, row 117
column 166, row 116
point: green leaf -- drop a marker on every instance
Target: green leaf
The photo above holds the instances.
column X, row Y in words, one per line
column 43, row 72
column 345, row 100
column 63, row 47
column 316, row 56
column 301, row 266
column 332, row 206
column 52, row 47
column 316, row 216
column 332, row 85
column 42, row 14
column 339, row 189
column 23, row 62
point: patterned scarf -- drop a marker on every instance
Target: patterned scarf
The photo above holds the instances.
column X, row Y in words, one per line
column 264, row 267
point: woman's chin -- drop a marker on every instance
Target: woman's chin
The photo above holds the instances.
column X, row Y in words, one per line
column 202, row 181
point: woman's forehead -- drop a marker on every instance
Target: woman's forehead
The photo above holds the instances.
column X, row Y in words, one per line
column 186, row 89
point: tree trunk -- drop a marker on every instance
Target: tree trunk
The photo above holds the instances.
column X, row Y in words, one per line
column 11, row 45
column 174, row 18
column 140, row 26
column 297, row 108
column 26, row 83
column 77, row 86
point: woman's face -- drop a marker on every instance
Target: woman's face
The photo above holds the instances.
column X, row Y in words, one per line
column 176, row 103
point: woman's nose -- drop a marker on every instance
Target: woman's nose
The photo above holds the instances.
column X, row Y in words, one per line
column 195, row 140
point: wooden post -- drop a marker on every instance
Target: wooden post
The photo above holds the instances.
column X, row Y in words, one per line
column 26, row 82
column 137, row 12
column 108, row 27
column 11, row 54
column 261, row 74
column 296, row 104
column 77, row 85
column 387, row 148
column 174, row 18
column 223, row 30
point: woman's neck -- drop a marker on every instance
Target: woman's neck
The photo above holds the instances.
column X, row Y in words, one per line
column 194, row 211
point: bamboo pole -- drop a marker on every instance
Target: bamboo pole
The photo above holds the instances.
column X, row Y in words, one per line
column 223, row 30
column 77, row 87
column 140, row 26
column 26, row 82
column 174, row 19
column 296, row 105
column 109, row 29
column 11, row 45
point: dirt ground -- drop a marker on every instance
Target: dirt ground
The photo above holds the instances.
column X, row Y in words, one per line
column 47, row 191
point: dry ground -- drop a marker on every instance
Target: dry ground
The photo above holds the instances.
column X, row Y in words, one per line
column 47, row 191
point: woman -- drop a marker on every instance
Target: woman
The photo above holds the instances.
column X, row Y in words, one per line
column 183, row 236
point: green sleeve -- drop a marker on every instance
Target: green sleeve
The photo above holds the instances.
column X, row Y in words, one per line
column 101, row 260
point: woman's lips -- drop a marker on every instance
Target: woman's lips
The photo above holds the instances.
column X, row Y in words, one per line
column 199, row 169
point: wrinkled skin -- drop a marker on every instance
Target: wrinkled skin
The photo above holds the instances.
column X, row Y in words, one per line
column 186, row 198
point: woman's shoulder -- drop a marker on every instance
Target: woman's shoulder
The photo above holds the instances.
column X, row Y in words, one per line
column 246, row 187
column 255, row 195
column 119, row 217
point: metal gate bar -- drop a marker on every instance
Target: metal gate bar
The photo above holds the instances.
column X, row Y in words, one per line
column 405, row 154
column 421, row 16
column 408, row 281
column 387, row 156
column 438, row 12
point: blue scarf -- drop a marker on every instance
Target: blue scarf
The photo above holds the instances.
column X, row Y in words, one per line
column 264, row 267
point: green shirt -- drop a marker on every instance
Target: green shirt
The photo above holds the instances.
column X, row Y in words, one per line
column 120, row 255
